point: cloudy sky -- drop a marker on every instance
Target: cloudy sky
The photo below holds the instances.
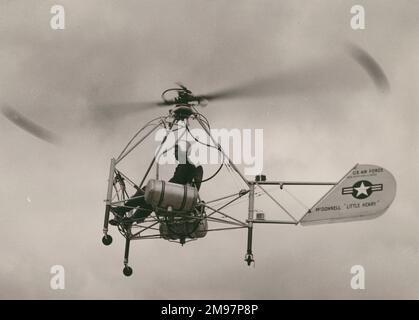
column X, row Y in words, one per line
column 325, row 116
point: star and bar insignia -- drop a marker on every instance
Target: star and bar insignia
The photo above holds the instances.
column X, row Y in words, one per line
column 362, row 189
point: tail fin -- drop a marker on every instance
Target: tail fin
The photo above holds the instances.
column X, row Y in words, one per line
column 365, row 192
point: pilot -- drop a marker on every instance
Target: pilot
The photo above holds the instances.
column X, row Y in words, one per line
column 186, row 173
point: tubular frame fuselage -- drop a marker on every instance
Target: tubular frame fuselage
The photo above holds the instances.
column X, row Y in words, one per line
column 148, row 229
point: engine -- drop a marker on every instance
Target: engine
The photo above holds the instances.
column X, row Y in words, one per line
column 175, row 230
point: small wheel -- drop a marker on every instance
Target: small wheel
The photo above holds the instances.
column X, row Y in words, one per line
column 127, row 271
column 107, row 240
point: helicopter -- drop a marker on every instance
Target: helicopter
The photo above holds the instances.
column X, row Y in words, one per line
column 178, row 212
column 180, row 215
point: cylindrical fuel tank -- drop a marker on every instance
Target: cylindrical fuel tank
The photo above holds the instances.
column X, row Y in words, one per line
column 164, row 194
column 184, row 229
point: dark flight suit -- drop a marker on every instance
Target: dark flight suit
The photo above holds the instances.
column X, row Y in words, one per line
column 188, row 174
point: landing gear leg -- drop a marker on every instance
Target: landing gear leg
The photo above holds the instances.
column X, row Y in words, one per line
column 127, row 269
column 107, row 239
column 249, row 255
column 106, row 219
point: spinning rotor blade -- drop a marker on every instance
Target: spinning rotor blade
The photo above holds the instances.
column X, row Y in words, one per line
column 29, row 126
column 328, row 75
column 289, row 83
column 114, row 110
column 317, row 77
column 371, row 66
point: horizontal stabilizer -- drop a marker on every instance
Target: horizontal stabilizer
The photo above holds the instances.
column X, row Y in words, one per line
column 365, row 192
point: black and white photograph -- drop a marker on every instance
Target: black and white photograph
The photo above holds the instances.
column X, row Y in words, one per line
column 209, row 150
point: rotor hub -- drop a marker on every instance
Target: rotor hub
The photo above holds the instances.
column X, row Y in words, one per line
column 182, row 112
